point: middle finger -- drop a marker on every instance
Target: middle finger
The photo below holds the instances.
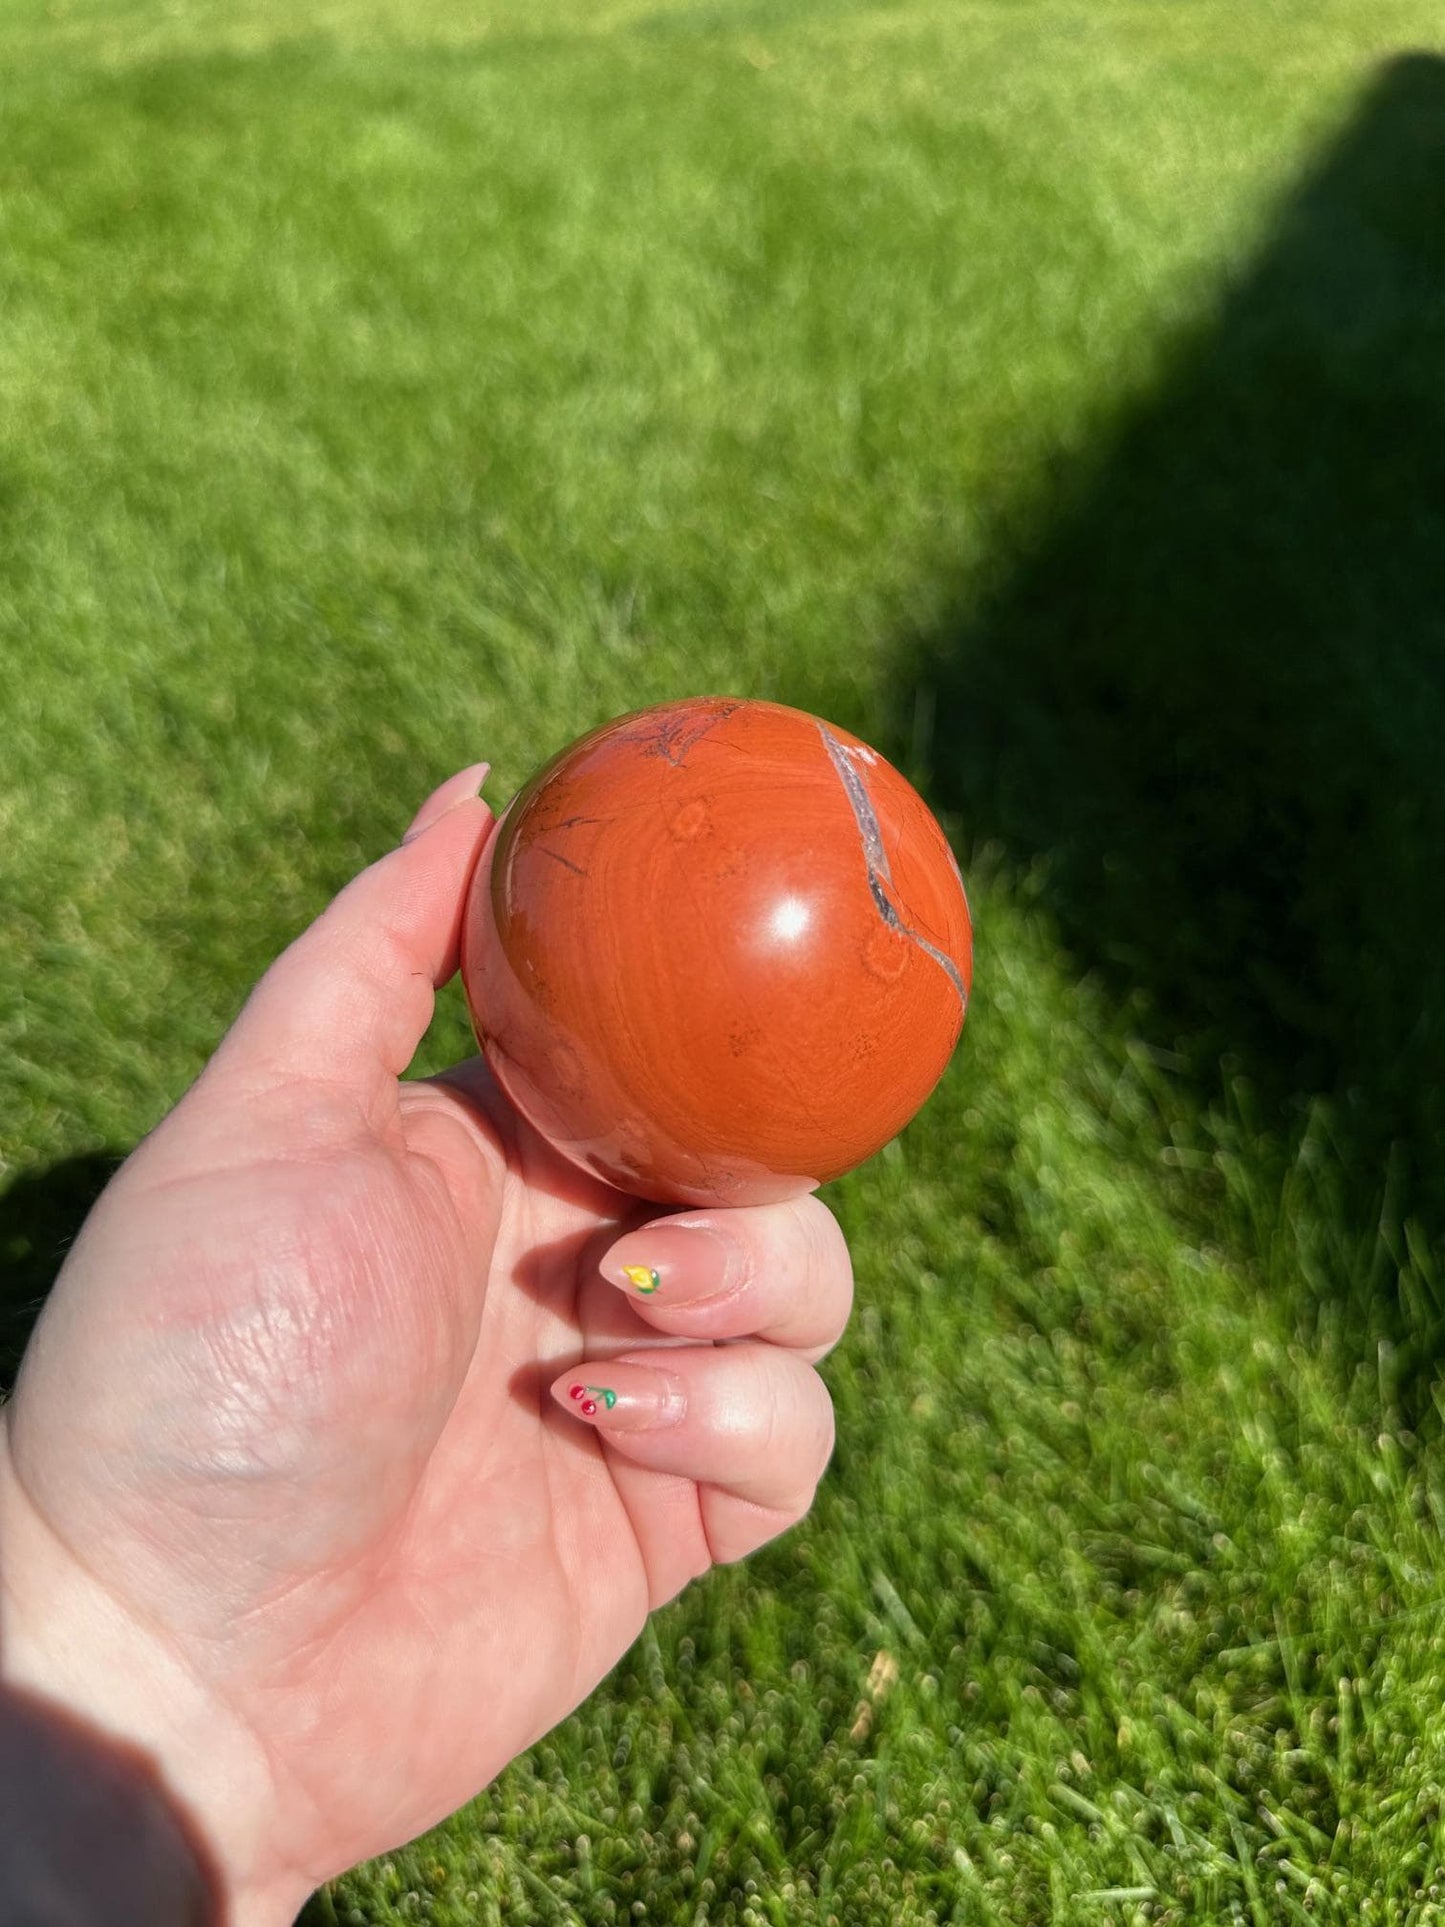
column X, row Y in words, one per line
column 779, row 1272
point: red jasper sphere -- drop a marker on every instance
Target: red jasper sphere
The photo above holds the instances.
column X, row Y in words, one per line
column 717, row 952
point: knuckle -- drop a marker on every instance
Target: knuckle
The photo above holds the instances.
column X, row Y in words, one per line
column 828, row 1253
column 801, row 1429
column 825, row 1274
column 825, row 1430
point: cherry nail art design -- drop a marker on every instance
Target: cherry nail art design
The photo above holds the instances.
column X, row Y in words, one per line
column 586, row 1397
column 639, row 1396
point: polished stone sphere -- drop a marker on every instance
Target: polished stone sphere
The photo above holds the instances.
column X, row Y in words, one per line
column 717, row 952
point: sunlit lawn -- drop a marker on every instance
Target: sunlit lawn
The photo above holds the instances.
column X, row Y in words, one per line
column 386, row 386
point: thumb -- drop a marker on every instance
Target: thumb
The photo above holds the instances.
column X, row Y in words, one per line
column 347, row 1004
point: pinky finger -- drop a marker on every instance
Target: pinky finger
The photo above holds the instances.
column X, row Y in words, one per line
column 750, row 1424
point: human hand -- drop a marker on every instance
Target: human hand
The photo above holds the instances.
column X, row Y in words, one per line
column 294, row 1495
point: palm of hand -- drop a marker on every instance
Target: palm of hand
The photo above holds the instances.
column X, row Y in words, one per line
column 351, row 1402
column 284, row 1443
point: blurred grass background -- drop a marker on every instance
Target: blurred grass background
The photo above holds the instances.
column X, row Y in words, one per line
column 1052, row 391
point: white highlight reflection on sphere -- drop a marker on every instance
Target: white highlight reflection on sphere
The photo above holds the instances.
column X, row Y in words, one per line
column 790, row 919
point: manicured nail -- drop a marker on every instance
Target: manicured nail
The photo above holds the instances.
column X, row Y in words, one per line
column 621, row 1397
column 464, row 787
column 678, row 1262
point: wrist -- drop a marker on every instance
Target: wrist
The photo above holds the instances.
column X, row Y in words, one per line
column 115, row 1721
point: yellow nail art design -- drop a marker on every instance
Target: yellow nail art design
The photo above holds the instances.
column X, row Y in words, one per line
column 642, row 1278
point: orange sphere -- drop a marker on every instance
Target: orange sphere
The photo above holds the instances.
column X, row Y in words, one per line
column 717, row 952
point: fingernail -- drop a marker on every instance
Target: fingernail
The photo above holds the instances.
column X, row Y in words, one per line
column 621, row 1397
column 678, row 1263
column 464, row 787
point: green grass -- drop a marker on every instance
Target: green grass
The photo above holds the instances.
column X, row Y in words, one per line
column 1052, row 390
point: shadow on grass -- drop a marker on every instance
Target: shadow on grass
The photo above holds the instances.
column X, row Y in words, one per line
column 40, row 1214
column 1210, row 703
